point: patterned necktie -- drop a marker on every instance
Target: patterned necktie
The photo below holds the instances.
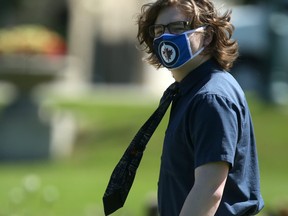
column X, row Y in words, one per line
column 124, row 173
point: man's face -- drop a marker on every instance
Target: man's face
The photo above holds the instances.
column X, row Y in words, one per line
column 174, row 14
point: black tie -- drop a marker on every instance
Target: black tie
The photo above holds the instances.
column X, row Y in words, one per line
column 124, row 173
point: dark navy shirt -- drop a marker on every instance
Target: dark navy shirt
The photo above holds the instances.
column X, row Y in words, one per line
column 210, row 122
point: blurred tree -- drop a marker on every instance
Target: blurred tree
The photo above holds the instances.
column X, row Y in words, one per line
column 278, row 65
column 250, row 1
column 262, row 1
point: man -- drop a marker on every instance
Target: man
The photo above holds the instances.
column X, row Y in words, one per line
column 209, row 163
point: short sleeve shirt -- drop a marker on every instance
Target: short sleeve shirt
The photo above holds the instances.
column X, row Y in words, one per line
column 210, row 122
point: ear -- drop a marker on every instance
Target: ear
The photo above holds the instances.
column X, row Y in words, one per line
column 208, row 36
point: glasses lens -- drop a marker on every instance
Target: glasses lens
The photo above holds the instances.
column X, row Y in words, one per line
column 174, row 28
column 156, row 30
column 178, row 27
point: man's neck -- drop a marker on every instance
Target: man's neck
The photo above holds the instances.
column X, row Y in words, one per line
column 180, row 73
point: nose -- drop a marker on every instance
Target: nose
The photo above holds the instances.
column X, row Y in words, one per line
column 166, row 30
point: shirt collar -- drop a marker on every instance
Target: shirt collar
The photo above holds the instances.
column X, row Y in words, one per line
column 197, row 75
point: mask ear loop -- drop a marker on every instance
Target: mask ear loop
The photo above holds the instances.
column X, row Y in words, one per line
column 188, row 41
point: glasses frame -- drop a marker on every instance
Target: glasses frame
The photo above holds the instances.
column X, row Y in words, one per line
column 168, row 26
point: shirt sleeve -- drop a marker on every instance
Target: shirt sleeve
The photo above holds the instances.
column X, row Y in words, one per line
column 214, row 129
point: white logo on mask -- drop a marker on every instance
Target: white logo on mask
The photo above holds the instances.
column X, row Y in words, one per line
column 169, row 52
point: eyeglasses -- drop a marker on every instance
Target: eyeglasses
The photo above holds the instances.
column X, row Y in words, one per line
column 174, row 28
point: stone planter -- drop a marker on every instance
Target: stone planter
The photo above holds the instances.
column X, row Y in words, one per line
column 23, row 135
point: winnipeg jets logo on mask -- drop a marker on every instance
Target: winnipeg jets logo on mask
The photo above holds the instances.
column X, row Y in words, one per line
column 173, row 51
column 169, row 53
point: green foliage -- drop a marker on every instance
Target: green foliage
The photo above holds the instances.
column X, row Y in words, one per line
column 74, row 186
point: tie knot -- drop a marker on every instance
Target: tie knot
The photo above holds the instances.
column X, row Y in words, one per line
column 174, row 88
column 170, row 93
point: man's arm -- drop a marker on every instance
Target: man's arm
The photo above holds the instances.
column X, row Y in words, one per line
column 205, row 196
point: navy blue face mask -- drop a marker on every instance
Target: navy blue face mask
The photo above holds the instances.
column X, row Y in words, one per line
column 173, row 51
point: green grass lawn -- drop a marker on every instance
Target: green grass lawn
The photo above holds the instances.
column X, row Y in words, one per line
column 75, row 186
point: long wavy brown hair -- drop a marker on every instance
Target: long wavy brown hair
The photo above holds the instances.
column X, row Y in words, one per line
column 201, row 13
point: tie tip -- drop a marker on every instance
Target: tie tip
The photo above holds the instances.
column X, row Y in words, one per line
column 112, row 203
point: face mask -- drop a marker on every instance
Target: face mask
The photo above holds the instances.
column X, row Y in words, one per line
column 173, row 51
